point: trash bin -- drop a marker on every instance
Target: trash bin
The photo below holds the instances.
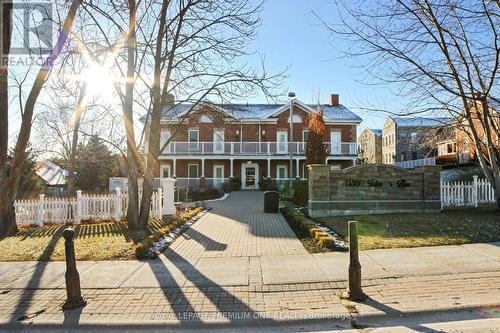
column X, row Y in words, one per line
column 271, row 202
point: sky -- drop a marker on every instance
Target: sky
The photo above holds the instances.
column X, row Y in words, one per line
column 291, row 35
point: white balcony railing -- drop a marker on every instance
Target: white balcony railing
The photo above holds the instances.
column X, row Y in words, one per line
column 253, row 148
column 411, row 164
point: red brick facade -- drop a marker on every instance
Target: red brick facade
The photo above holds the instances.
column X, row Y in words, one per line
column 258, row 133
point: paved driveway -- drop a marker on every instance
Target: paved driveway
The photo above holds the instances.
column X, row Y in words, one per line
column 237, row 227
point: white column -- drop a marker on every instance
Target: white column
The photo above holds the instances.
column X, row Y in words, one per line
column 297, row 171
column 174, row 168
column 231, row 167
column 168, row 207
column 118, row 204
column 268, row 168
column 202, row 167
column 79, row 207
column 41, row 211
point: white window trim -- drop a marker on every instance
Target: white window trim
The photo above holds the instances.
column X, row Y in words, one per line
column 197, row 170
column 281, row 166
column 278, row 150
column 191, row 143
column 164, row 136
column 218, row 166
column 215, row 150
column 163, row 167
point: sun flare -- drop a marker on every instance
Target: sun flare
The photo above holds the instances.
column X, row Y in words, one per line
column 99, row 80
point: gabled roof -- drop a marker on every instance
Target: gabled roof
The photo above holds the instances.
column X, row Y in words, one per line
column 338, row 113
column 421, row 121
column 51, row 173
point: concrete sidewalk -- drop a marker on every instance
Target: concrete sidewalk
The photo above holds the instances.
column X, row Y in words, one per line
column 206, row 292
column 177, row 271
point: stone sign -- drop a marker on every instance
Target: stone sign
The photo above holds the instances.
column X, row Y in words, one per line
column 373, row 189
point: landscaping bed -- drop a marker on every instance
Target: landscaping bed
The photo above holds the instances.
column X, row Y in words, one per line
column 93, row 241
column 314, row 236
column 156, row 243
column 451, row 227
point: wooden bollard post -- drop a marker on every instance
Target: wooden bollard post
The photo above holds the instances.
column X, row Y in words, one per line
column 73, row 290
column 354, row 291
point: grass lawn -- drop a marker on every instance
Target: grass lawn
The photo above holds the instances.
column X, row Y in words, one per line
column 425, row 229
column 101, row 241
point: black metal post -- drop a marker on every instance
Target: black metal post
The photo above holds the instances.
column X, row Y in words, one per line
column 73, row 290
column 354, row 291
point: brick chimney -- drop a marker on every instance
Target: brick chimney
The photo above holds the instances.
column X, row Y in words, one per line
column 169, row 100
column 333, row 99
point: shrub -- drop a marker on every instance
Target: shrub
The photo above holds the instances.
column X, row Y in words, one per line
column 233, row 184
column 300, row 192
column 326, row 241
column 320, row 234
column 313, row 231
column 268, row 184
column 207, row 194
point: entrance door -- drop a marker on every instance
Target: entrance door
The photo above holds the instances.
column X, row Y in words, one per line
column 282, row 142
column 250, row 176
column 218, row 175
column 219, row 141
column 335, row 143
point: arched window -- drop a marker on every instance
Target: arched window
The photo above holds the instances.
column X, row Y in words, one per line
column 296, row 119
column 205, row 119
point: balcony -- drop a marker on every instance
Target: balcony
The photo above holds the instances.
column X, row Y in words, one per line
column 177, row 148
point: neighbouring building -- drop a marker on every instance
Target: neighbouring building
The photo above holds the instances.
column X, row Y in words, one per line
column 405, row 139
column 463, row 138
column 54, row 177
column 370, row 146
column 249, row 142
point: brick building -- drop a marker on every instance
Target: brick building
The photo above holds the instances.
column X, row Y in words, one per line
column 406, row 139
column 370, row 146
column 249, row 141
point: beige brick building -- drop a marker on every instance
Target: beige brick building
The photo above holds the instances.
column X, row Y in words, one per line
column 370, row 146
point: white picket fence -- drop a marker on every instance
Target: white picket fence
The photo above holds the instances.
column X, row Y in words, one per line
column 466, row 194
column 101, row 207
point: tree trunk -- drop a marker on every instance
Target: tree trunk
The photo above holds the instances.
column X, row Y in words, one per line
column 74, row 143
column 10, row 174
column 7, row 223
column 132, row 154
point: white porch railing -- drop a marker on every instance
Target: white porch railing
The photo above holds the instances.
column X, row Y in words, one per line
column 252, row 148
column 466, row 194
column 415, row 163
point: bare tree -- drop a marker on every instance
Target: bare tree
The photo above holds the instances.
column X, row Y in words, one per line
column 442, row 55
column 194, row 56
column 10, row 171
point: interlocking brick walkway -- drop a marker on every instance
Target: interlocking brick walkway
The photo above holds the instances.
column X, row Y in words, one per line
column 238, row 227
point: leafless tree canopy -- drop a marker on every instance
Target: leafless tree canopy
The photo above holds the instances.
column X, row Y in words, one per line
column 442, row 55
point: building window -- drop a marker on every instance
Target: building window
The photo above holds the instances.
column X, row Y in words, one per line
column 413, row 137
column 192, row 170
column 296, row 119
column 165, row 171
column 305, row 136
column 164, row 137
column 194, row 139
column 282, row 171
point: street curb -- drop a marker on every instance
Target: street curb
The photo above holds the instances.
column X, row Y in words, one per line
column 354, row 321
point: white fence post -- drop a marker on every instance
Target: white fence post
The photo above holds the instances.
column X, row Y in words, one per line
column 475, row 190
column 79, row 204
column 41, row 211
column 118, row 204
column 168, row 207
